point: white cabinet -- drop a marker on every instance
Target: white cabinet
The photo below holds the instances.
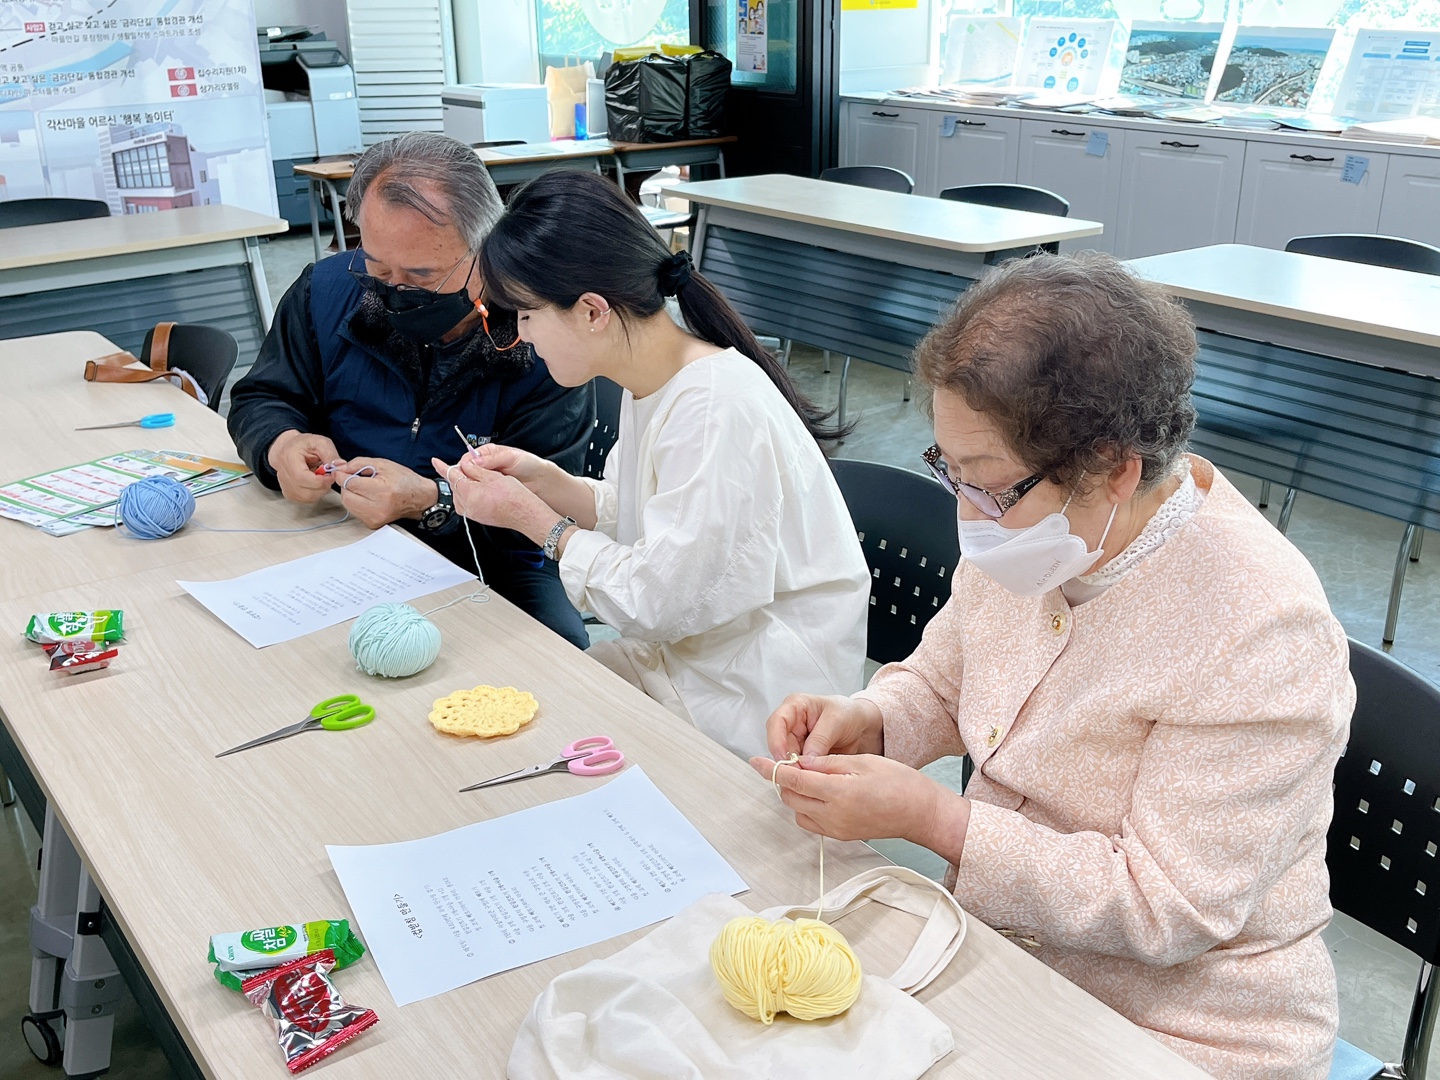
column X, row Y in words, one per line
column 886, row 135
column 978, row 149
column 1411, row 205
column 1177, row 192
column 1294, row 189
column 1057, row 155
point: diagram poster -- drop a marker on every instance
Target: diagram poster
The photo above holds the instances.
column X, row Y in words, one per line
column 1065, row 55
column 980, row 49
column 1391, row 74
column 751, row 37
column 146, row 105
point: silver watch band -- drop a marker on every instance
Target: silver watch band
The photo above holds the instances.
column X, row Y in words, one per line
column 552, row 542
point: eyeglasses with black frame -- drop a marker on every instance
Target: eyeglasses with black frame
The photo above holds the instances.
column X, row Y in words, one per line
column 993, row 504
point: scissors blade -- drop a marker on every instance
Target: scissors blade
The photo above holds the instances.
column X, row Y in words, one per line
column 282, row 733
column 98, row 427
column 518, row 774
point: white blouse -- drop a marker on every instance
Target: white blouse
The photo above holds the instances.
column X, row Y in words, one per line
column 723, row 552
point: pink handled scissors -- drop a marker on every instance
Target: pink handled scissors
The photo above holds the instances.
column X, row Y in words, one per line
column 592, row 756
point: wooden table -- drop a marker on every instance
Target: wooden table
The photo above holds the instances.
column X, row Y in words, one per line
column 182, row 845
column 122, row 275
column 849, row 269
column 1319, row 375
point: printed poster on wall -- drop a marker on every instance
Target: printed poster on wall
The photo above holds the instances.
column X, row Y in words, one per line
column 1391, row 74
column 752, row 39
column 1067, row 56
column 146, row 105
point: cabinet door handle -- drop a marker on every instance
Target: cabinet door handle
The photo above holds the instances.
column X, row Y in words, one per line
column 970, row 123
column 1062, row 131
column 1310, row 157
column 887, row 115
column 1180, row 145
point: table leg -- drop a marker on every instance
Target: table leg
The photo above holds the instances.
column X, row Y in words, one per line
column 720, row 161
column 7, row 790
column 619, row 173
column 310, row 185
column 335, row 210
column 259, row 284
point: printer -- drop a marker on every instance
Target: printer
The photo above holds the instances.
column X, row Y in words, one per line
column 310, row 108
column 478, row 113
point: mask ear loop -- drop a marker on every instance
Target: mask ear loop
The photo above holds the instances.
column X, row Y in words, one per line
column 1113, row 511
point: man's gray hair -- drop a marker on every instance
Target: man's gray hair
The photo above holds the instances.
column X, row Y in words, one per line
column 471, row 203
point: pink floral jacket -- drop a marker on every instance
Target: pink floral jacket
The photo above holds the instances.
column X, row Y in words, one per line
column 1152, row 785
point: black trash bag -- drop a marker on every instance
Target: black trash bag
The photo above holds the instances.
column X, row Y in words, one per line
column 709, row 84
column 645, row 99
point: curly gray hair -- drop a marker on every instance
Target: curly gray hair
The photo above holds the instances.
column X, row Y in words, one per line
column 472, row 205
column 1080, row 363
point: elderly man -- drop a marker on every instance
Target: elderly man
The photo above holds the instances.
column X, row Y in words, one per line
column 377, row 356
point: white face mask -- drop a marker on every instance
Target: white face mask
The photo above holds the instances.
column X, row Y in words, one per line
column 1029, row 562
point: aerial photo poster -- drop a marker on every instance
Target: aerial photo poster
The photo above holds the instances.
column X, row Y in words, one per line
column 1170, row 59
column 146, row 105
column 1274, row 65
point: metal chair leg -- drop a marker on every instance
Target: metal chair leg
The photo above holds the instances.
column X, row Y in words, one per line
column 1415, row 547
column 1264, row 494
column 1421, row 1028
column 1397, row 584
column 908, row 381
column 844, row 386
column 786, row 345
column 1283, row 521
column 825, row 356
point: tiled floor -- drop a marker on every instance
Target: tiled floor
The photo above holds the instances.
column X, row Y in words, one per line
column 1353, row 553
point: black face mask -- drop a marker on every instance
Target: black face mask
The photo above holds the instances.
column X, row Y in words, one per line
column 422, row 316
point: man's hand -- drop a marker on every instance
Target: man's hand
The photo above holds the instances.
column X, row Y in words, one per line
column 295, row 455
column 392, row 493
column 864, row 797
column 811, row 724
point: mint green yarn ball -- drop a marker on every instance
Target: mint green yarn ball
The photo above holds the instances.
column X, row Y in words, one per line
column 394, row 640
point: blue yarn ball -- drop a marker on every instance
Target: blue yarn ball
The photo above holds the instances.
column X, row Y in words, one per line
column 394, row 640
column 155, row 507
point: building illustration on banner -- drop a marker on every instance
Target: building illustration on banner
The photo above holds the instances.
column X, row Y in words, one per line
column 147, row 105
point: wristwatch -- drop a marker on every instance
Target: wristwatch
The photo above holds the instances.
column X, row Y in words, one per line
column 552, row 542
column 442, row 511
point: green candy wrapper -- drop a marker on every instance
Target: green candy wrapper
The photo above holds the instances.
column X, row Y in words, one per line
column 49, row 627
column 238, row 956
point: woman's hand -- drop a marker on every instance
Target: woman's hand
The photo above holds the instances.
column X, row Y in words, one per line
column 530, row 469
column 865, row 797
column 810, row 724
column 492, row 498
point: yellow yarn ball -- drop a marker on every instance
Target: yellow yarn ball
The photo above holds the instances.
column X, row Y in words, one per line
column 805, row 968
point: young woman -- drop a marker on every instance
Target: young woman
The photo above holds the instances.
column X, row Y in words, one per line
column 717, row 544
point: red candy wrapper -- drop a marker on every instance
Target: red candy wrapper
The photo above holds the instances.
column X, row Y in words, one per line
column 73, row 657
column 311, row 1019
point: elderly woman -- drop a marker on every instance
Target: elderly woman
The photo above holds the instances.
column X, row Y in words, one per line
column 1146, row 675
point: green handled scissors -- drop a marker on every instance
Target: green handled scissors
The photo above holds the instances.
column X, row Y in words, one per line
column 340, row 713
column 154, row 420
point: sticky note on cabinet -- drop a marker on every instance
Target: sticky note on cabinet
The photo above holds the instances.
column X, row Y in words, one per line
column 947, row 126
column 1099, row 142
column 1355, row 167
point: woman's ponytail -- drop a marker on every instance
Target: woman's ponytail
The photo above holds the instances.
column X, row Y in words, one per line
column 567, row 233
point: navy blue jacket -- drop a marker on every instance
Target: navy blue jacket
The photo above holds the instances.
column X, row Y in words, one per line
column 332, row 365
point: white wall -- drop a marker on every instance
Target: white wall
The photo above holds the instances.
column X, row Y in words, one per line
column 887, row 49
column 495, row 41
column 326, row 15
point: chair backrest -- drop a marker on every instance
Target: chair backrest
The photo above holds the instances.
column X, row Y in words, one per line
column 17, row 212
column 1392, row 251
column 906, row 525
column 1383, row 849
column 206, row 352
column 1010, row 197
column 880, row 177
column 606, row 428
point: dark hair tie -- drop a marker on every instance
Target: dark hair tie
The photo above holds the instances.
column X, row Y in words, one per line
column 674, row 273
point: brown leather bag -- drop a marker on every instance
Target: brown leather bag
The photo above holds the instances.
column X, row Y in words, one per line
column 115, row 367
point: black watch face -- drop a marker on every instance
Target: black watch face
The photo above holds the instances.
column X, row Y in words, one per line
column 435, row 517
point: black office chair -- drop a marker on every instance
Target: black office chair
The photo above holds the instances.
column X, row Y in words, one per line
column 205, row 352
column 1383, row 849
column 606, row 428
column 879, row 177
column 1032, row 200
column 17, row 212
column 1393, row 251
